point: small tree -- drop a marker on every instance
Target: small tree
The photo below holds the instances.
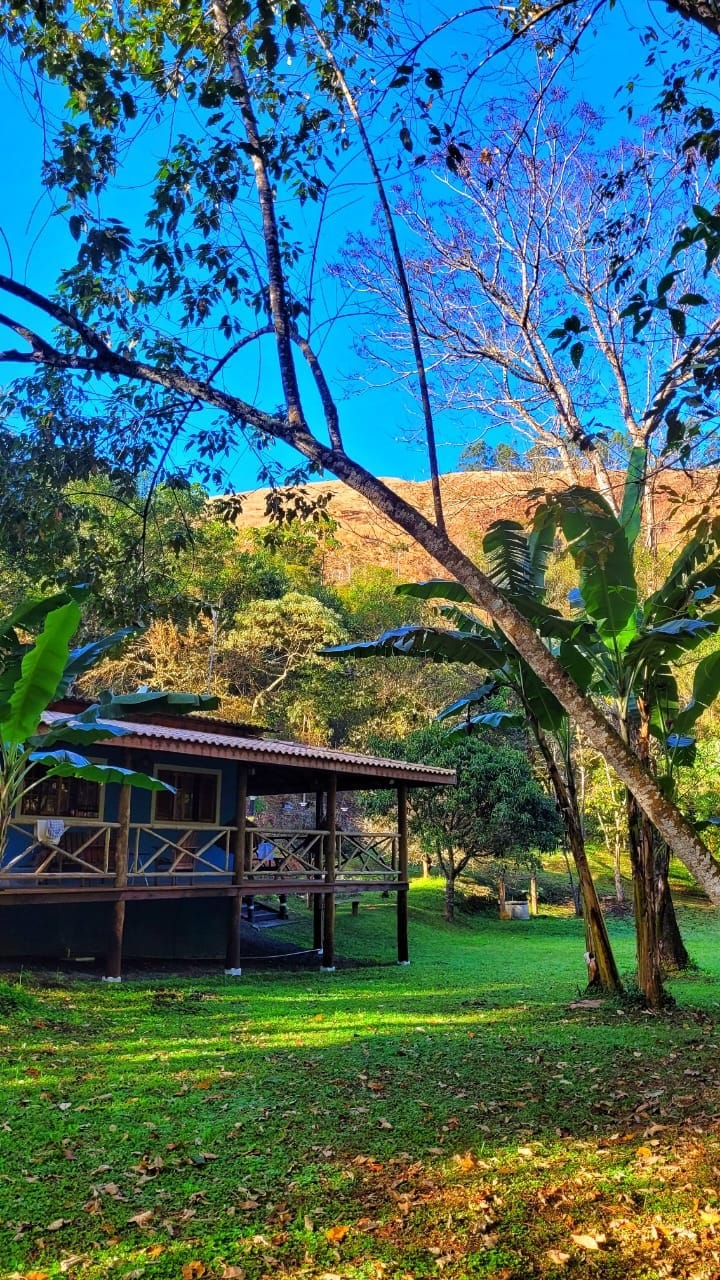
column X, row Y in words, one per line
column 497, row 810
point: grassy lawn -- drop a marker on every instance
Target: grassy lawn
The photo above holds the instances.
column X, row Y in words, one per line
column 454, row 1118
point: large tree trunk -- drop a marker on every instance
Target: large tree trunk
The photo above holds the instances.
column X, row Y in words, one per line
column 673, row 952
column 642, row 858
column 426, row 866
column 602, row 968
column 533, row 893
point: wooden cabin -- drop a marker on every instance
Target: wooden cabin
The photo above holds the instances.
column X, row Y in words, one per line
column 79, row 844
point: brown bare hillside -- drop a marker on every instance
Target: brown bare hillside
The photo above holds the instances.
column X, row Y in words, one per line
column 473, row 500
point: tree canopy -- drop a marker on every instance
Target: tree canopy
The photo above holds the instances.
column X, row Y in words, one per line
column 169, row 314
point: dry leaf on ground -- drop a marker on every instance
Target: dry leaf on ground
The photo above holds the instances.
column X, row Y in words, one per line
column 591, row 1243
column 336, row 1234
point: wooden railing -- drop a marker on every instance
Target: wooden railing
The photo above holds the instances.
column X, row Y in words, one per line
column 85, row 848
column 191, row 853
column 180, row 851
column 367, row 855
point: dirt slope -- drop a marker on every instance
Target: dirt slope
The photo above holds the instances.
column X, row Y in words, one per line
column 472, row 500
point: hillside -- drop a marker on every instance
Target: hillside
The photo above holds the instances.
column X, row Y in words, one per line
column 472, row 500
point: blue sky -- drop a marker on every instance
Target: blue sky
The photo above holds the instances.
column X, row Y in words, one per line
column 40, row 244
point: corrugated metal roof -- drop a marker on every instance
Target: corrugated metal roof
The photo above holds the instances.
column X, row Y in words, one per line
column 192, row 741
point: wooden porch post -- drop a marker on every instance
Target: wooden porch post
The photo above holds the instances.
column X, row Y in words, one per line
column 317, row 898
column 328, row 953
column 402, row 904
column 113, row 963
column 232, row 955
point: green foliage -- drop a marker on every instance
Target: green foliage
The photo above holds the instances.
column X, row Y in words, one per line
column 40, row 675
column 33, row 675
column 497, row 810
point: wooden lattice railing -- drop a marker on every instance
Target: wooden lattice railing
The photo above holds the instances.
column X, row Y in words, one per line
column 86, row 847
column 190, row 853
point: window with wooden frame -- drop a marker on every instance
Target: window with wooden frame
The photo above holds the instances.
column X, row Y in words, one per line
column 62, row 798
column 196, row 798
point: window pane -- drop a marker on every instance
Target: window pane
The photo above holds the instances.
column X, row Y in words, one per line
column 62, row 798
column 195, row 798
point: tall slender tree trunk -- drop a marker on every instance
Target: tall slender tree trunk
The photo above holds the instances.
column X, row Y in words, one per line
column 602, row 967
column 619, row 886
column 673, row 952
column 533, row 893
column 447, row 864
column 426, row 866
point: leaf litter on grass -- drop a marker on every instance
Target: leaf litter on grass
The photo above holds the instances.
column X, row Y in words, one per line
column 248, row 1141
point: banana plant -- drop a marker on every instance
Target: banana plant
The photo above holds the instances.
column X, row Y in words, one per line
column 632, row 649
column 36, row 673
column 518, row 562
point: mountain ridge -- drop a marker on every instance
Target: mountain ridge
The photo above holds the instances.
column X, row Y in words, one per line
column 472, row 501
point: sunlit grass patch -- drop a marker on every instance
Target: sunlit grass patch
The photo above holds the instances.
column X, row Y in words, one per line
column 455, row 1118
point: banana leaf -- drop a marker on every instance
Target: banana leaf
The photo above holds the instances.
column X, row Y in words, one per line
column 506, row 546
column 67, row 764
column 30, row 613
column 542, row 704
column 422, row 642
column 40, row 673
column 124, row 705
column 541, row 541
column 692, row 582
column 706, row 687
column 598, row 545
column 436, row 589
column 488, row 720
column 79, row 732
column 472, row 699
column 631, row 509
column 665, row 643
column 82, row 659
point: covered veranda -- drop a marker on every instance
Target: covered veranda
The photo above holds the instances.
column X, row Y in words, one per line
column 86, row 843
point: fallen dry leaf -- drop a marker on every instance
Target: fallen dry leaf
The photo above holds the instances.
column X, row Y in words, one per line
column 383, row 1123
column 591, row 1243
column 56, row 1224
column 232, row 1273
column 466, row 1162
column 335, row 1235
column 642, row 1153
column 35, row 1275
column 193, row 1270
column 142, row 1219
column 710, row 1217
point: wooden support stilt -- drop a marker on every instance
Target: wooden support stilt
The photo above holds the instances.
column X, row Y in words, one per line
column 328, row 953
column 113, row 962
column 232, row 954
column 317, row 898
column 402, row 903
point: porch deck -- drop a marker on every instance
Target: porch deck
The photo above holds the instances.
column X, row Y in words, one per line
column 197, row 840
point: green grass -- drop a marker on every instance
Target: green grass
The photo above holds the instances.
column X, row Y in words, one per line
column 454, row 1118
